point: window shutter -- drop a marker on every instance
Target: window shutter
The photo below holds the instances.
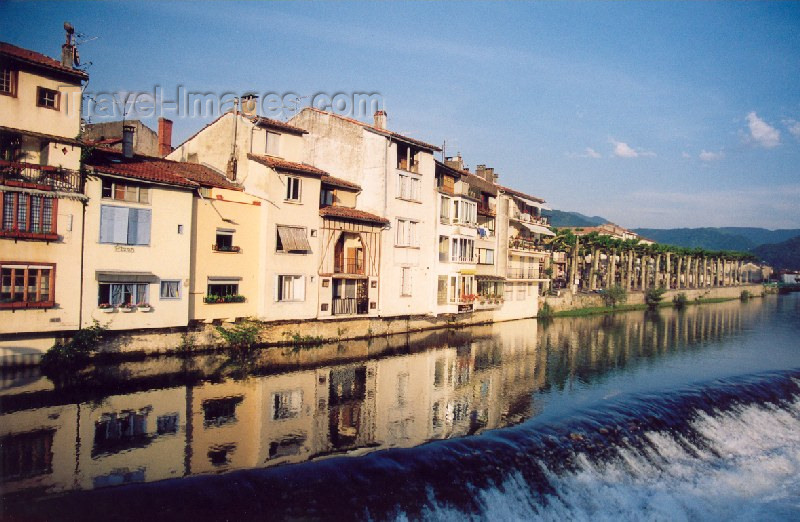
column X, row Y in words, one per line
column 120, row 220
column 300, row 288
column 106, row 224
column 143, row 226
column 133, row 226
column 276, row 286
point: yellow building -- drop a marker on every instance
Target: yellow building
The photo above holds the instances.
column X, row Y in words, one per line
column 41, row 204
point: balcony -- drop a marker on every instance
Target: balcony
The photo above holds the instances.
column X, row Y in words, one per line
column 522, row 273
column 349, row 265
column 350, row 306
column 42, row 177
column 527, row 245
column 529, row 218
column 464, row 259
column 485, row 210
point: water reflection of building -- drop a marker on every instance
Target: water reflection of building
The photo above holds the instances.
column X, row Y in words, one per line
column 448, row 386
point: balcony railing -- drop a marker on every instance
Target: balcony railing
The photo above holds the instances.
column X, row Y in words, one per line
column 529, row 218
column 349, row 265
column 350, row 306
column 43, row 177
column 485, row 210
column 522, row 273
column 525, row 244
column 225, row 248
column 464, row 259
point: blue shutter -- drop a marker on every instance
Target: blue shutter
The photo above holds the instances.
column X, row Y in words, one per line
column 120, row 220
column 143, row 218
column 106, row 224
column 132, row 226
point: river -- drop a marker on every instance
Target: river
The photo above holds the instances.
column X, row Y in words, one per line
column 670, row 415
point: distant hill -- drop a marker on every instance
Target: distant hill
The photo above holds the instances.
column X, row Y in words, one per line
column 785, row 254
column 563, row 218
column 708, row 238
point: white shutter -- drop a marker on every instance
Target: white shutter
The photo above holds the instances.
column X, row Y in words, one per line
column 300, row 288
column 120, row 226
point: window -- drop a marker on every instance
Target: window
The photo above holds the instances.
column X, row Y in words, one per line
column 8, row 81
column 124, row 226
column 220, row 290
column 166, row 424
column 224, row 241
column 406, row 233
column 27, row 454
column 444, row 209
column 441, row 290
column 287, row 404
column 407, row 158
column 444, row 243
column 23, row 285
column 465, row 212
column 405, row 282
column 171, row 289
column 326, row 197
column 123, row 294
column 485, row 256
column 521, row 292
column 26, row 215
column 273, row 144
column 47, row 98
column 293, row 189
column 290, row 288
column 125, row 192
column 218, row 412
column 462, row 250
column 408, row 187
column 292, row 240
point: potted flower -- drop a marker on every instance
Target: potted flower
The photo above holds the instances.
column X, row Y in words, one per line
column 106, row 308
column 145, row 307
column 128, row 308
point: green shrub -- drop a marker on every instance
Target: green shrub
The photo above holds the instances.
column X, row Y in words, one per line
column 614, row 296
column 545, row 311
column 653, row 296
column 680, row 300
column 76, row 351
column 745, row 295
column 240, row 335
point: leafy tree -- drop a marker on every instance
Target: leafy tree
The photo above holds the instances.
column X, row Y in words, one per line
column 614, row 296
column 653, row 296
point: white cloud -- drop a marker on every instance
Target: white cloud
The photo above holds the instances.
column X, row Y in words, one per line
column 711, row 156
column 591, row 153
column 794, row 127
column 623, row 150
column 685, row 155
column 762, row 132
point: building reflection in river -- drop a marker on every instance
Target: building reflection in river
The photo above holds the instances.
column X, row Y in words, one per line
column 288, row 406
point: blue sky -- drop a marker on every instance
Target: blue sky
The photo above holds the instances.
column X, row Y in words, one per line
column 649, row 114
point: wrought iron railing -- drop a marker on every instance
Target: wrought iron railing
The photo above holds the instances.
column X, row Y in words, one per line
column 43, row 177
column 350, row 306
column 349, row 265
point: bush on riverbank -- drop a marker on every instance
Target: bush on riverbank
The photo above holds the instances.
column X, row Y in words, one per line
column 653, row 296
column 76, row 351
column 680, row 300
column 616, row 295
column 240, row 335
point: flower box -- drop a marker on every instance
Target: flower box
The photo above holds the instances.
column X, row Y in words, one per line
column 106, row 308
column 145, row 308
column 127, row 309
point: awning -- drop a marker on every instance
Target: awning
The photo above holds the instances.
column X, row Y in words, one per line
column 470, row 271
column 490, row 278
column 294, row 239
column 223, row 279
column 117, row 276
column 537, row 229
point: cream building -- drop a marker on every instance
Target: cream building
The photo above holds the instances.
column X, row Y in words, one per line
column 41, row 200
column 397, row 176
column 263, row 158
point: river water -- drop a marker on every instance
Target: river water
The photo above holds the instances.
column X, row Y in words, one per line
column 674, row 415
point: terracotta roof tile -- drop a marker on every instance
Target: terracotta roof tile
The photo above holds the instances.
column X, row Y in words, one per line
column 351, row 213
column 284, row 165
column 337, row 182
column 276, row 124
column 384, row 132
column 35, row 58
column 158, row 170
column 519, row 194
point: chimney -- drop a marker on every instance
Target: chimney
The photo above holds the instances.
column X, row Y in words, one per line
column 455, row 162
column 68, row 49
column 380, row 119
column 127, row 140
column 164, row 137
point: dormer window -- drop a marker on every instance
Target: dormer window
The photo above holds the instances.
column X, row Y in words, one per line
column 47, row 98
column 326, row 197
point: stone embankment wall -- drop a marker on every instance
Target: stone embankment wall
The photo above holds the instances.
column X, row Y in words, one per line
column 567, row 301
column 205, row 336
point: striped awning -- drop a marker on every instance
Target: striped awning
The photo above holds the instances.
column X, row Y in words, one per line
column 537, row 229
column 293, row 239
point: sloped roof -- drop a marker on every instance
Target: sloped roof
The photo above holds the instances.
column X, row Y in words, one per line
column 351, row 213
column 519, row 194
column 470, row 178
column 384, row 132
column 42, row 136
column 158, row 170
column 26, row 55
column 276, row 124
column 286, row 166
column 339, row 183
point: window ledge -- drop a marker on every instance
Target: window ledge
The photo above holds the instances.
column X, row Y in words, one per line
column 22, row 305
column 34, row 236
column 417, row 201
column 415, row 247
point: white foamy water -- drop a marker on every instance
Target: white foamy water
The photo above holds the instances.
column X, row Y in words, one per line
column 749, row 470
